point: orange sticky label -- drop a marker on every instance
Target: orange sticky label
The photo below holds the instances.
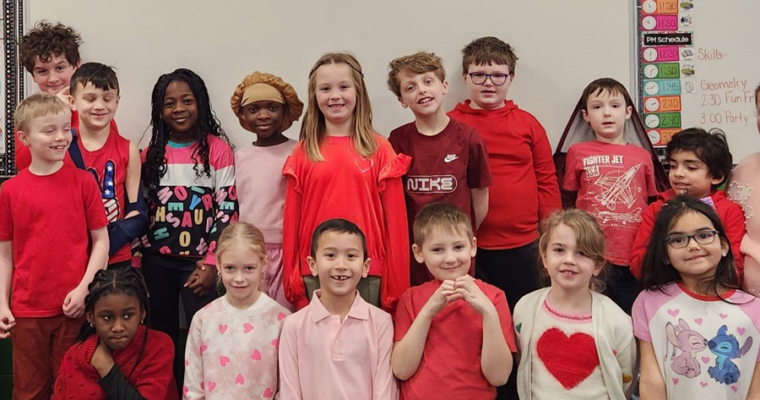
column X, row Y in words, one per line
column 670, row 103
column 667, row 7
column 661, row 137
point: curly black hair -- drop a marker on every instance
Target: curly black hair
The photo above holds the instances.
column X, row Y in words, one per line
column 46, row 41
column 154, row 167
column 127, row 281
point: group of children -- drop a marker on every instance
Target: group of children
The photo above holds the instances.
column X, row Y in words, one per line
column 354, row 271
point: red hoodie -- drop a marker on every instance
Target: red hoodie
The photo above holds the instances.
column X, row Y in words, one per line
column 524, row 189
column 730, row 213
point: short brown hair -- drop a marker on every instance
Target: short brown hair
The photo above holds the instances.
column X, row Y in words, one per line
column 46, row 41
column 417, row 63
column 100, row 75
column 443, row 216
column 488, row 50
column 36, row 106
column 608, row 85
column 588, row 236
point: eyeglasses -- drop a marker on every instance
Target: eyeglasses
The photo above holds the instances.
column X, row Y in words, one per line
column 479, row 78
column 680, row 241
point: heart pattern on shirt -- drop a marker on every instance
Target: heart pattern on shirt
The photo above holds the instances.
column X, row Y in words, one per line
column 247, row 327
column 256, row 355
column 569, row 359
column 223, row 361
column 276, row 343
column 222, row 328
column 364, row 164
column 203, row 348
column 281, row 316
column 239, row 379
column 211, row 386
column 268, row 393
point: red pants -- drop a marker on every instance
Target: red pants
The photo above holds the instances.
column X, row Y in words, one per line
column 39, row 345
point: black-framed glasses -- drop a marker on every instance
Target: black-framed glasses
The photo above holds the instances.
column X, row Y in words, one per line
column 479, row 78
column 679, row 241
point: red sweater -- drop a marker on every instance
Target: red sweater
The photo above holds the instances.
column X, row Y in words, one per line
column 524, row 189
column 152, row 377
column 365, row 191
column 730, row 214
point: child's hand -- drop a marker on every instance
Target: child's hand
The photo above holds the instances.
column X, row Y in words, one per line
column 65, row 95
column 102, row 359
column 202, row 279
column 445, row 294
column 7, row 322
column 73, row 304
column 471, row 293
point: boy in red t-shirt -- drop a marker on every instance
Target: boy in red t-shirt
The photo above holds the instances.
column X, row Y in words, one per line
column 524, row 189
column 612, row 179
column 449, row 159
column 456, row 322
column 51, row 54
column 49, row 214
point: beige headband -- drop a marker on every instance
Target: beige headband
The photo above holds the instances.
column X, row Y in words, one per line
column 261, row 92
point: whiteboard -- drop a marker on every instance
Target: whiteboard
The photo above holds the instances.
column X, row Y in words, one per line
column 723, row 59
column 562, row 45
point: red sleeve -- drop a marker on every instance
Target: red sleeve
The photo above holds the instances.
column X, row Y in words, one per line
column 478, row 173
column 404, row 317
column 639, row 250
column 23, row 155
column 394, row 279
column 650, row 178
column 570, row 180
column 546, row 175
column 733, row 222
column 93, row 204
column 6, row 216
column 505, row 319
column 156, row 379
column 295, row 291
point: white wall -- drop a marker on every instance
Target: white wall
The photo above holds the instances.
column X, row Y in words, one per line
column 562, row 45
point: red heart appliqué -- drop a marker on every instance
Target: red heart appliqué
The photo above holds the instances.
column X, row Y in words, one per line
column 569, row 359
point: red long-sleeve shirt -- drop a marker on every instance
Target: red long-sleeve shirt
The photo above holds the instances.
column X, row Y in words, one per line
column 730, row 214
column 365, row 191
column 524, row 189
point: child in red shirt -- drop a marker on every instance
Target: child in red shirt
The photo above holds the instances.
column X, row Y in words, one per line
column 53, row 239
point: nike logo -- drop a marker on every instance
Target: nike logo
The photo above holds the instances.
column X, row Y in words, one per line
column 449, row 158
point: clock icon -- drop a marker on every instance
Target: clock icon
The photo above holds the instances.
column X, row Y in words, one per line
column 652, row 121
column 649, row 23
column 650, row 54
column 651, row 88
column 650, row 71
column 652, row 104
column 654, row 136
column 649, row 6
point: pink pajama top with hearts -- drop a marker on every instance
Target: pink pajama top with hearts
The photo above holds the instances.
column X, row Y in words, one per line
column 232, row 353
column 706, row 347
column 573, row 356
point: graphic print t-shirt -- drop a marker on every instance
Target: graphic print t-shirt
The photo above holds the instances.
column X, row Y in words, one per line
column 613, row 182
column 706, row 347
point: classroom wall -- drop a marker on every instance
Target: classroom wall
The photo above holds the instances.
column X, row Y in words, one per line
column 562, row 45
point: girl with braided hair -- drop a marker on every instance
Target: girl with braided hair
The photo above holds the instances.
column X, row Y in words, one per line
column 189, row 177
column 116, row 356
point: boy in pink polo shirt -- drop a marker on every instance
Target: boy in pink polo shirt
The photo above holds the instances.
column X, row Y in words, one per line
column 454, row 334
column 339, row 346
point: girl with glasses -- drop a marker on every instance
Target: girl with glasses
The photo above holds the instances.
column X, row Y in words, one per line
column 699, row 334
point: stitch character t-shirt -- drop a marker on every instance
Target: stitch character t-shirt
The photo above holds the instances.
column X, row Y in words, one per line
column 706, row 347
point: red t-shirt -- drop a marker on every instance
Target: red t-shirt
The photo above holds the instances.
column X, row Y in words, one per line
column 109, row 167
column 451, row 359
column 613, row 183
column 49, row 219
column 444, row 168
column 524, row 189
column 365, row 191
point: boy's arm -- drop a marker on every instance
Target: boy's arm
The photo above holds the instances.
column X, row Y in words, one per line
column 7, row 321
column 133, row 179
column 652, row 385
column 384, row 386
column 479, row 204
column 73, row 304
column 290, row 380
column 638, row 252
column 546, row 175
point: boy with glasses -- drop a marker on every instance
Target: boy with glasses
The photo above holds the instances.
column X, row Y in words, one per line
column 449, row 159
column 524, row 189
